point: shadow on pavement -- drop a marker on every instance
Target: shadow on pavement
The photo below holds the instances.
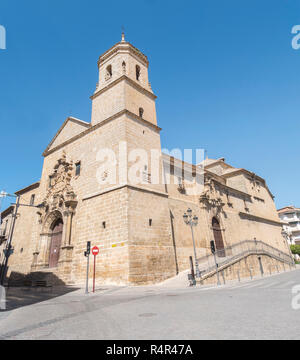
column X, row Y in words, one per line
column 23, row 290
column 17, row 297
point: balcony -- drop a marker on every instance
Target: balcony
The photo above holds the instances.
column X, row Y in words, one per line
column 290, row 219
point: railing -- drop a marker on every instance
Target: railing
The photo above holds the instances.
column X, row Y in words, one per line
column 242, row 249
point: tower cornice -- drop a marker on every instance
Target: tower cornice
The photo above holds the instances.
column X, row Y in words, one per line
column 123, row 46
column 130, row 81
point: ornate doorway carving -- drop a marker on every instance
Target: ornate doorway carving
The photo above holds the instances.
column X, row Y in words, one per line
column 218, row 237
column 55, row 243
column 56, row 219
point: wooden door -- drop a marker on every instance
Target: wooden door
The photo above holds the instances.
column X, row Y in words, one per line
column 218, row 237
column 55, row 244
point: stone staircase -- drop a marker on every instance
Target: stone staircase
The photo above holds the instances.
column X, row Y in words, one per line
column 233, row 260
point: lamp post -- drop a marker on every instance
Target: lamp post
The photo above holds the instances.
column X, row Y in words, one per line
column 192, row 221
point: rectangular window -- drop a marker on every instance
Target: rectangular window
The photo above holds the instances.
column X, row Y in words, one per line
column 50, row 181
column 77, row 170
column 5, row 228
column 32, row 199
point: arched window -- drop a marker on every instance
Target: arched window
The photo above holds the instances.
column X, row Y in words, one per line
column 32, row 199
column 124, row 67
column 108, row 74
column 77, row 168
column 137, row 72
column 141, row 112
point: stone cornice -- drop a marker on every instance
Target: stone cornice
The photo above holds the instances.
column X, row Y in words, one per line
column 102, row 123
column 243, row 171
column 28, row 188
column 143, row 121
column 123, row 46
column 178, row 163
column 128, row 186
column 250, row 175
column 7, row 211
column 229, row 188
column 216, row 178
column 128, row 80
column 70, row 118
column 174, row 198
column 260, row 218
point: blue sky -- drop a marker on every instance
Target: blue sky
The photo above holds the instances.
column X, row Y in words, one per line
column 226, row 77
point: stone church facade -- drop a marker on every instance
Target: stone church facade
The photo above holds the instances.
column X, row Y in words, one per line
column 138, row 227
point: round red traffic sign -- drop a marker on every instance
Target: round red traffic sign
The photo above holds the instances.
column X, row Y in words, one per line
column 95, row 250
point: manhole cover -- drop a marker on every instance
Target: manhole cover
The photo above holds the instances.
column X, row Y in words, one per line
column 147, row 315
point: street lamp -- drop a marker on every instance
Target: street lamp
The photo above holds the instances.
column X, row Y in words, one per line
column 191, row 220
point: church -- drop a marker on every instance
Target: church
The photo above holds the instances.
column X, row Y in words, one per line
column 107, row 181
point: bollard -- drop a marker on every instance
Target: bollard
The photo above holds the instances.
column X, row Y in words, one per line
column 261, row 266
column 277, row 268
column 238, row 273
column 250, row 273
column 270, row 270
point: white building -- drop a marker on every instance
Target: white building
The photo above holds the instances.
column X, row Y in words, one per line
column 291, row 216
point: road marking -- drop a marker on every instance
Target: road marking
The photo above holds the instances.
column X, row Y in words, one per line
column 262, row 285
column 254, row 285
column 248, row 284
column 272, row 284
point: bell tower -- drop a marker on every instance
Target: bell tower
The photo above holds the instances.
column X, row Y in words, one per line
column 123, row 107
column 123, row 84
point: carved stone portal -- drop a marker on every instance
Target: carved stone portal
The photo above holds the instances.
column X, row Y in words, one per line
column 60, row 202
column 210, row 199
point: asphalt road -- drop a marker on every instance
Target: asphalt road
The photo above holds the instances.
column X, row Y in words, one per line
column 257, row 309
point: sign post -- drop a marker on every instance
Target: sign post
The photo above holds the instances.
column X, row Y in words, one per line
column 213, row 250
column 95, row 252
column 87, row 255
